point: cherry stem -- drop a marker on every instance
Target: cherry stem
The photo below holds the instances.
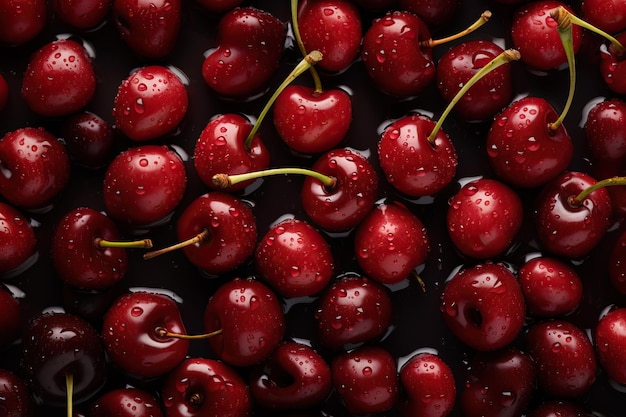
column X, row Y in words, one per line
column 69, row 388
column 296, row 33
column 225, row 180
column 307, row 62
column 197, row 239
column 484, row 18
column 504, row 58
column 419, row 280
column 162, row 332
column 608, row 182
column 619, row 48
column 141, row 244
column 563, row 18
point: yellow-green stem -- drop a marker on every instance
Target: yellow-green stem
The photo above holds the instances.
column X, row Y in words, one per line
column 199, row 238
column 619, row 48
column 69, row 392
column 563, row 18
column 296, row 33
column 141, row 244
column 484, row 18
column 224, row 180
column 307, row 62
column 608, row 182
column 504, row 58
column 162, row 332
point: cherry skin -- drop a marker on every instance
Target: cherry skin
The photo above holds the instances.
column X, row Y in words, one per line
column 4, row 92
column 201, row 387
column 390, row 243
column 352, row 310
column 551, row 287
column 311, row 121
column 88, row 139
column 522, row 149
column 567, row 227
column 613, row 66
column 484, row 218
column 250, row 43
column 221, row 149
column 434, row 13
column 126, row 402
column 278, row 259
column 307, row 372
column 554, row 408
column 18, row 242
column 410, row 162
column 151, row 102
column 57, row 345
column 348, row 202
column 149, row 28
column 565, row 359
column 143, row 185
column 35, row 167
column 251, row 319
column 21, row 21
column 332, row 27
column 484, row 306
column 429, row 387
column 11, row 318
column 610, row 16
column 610, row 341
column 59, row 79
column 534, row 34
column 489, row 95
column 499, row 384
column 392, row 56
column 617, row 264
column 366, row 380
column 82, row 14
column 133, row 334
column 605, row 131
column 15, row 399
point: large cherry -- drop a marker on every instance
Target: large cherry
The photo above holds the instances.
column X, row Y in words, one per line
column 610, row 341
column 126, row 402
column 608, row 15
column 18, row 242
column 15, row 397
column 22, row 20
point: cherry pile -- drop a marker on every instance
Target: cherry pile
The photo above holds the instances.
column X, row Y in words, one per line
column 515, row 312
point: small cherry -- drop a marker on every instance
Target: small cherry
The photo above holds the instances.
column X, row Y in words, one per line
column 88, row 139
column 610, row 342
column 11, row 318
column 605, row 131
column 18, row 242
column 126, row 402
column 15, row 397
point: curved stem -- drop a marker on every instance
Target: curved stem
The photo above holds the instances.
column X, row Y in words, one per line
column 162, row 332
column 504, row 58
column 608, row 182
column 69, row 393
column 296, row 33
column 619, row 48
column 199, row 238
column 141, row 244
column 225, row 180
column 563, row 18
column 484, row 18
column 307, row 62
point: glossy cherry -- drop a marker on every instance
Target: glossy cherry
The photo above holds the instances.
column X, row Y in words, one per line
column 15, row 398
column 11, row 318
column 609, row 16
column 82, row 14
column 22, row 20
column 88, row 140
column 126, row 402
column 605, row 131
column 610, row 342
column 613, row 65
column 18, row 242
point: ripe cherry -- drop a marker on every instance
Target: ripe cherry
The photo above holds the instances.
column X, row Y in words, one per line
column 617, row 264
column 126, row 402
column 21, row 21
column 15, row 396
column 605, row 131
column 11, row 318
column 82, row 14
column 18, row 242
column 610, row 342
column 88, row 139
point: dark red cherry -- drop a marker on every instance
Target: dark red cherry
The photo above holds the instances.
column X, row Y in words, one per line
column 558, row 408
column 613, row 66
column 88, row 139
column 606, row 132
column 18, row 241
column 610, row 342
column 15, row 397
column 435, row 13
column 11, row 318
column 82, row 14
column 126, row 402
column 4, row 92
column 617, row 264
column 21, row 20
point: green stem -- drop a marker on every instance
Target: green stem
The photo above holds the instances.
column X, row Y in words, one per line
column 608, row 182
column 296, row 32
column 562, row 17
column 619, row 48
column 141, row 244
column 484, row 18
column 69, row 392
column 307, row 62
column 224, row 180
column 504, row 58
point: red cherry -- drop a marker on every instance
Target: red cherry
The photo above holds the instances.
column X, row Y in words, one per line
column 149, row 28
column 82, row 14
column 551, row 287
column 133, row 334
column 143, row 185
column 564, row 356
column 608, row 15
column 353, row 310
column 307, row 372
column 435, row 13
column 617, row 264
column 34, row 167
column 151, row 102
column 201, row 387
column 366, row 380
column 10, row 320
column 483, row 306
column 18, row 241
column 126, row 402
column 21, row 20
column 88, row 139
column 605, row 131
column 612, row 66
column 251, row 319
column 279, row 260
column 610, row 340
column 484, row 217
column 390, row 243
column 59, row 79
column 556, row 408
column 15, row 398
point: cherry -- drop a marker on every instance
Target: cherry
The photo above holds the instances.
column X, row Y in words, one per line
column 201, row 387
column 251, row 319
column 564, row 356
column 217, row 233
column 605, row 131
column 608, row 15
column 34, row 167
column 573, row 214
column 143, row 185
column 18, row 242
column 279, row 261
column 429, row 387
column 366, row 380
column 250, row 43
column 352, row 310
column 88, row 140
column 554, row 408
column 483, row 306
column 617, row 264
column 11, row 318
column 22, row 20
column 126, row 402
column 15, row 399
column 551, row 287
column 612, row 65
column 610, row 341
column 82, row 14
column 294, row 377
column 390, row 243
column 151, row 102
column 63, row 359
column 435, row 13
column 499, row 384
column 86, row 250
column 483, row 218
column 149, row 28
column 135, row 334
